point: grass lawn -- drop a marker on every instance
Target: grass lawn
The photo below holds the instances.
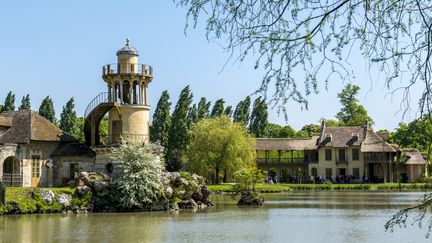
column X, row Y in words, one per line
column 20, row 194
column 30, row 202
column 291, row 187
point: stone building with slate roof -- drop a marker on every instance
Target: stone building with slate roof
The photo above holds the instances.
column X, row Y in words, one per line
column 34, row 152
column 355, row 151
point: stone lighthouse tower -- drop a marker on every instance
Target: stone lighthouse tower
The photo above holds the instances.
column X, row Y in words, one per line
column 125, row 101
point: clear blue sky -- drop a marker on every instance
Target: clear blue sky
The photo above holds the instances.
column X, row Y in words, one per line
column 58, row 48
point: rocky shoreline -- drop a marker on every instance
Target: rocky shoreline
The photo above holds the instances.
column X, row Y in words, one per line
column 180, row 190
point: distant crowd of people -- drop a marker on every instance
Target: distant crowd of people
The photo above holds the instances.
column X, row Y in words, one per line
column 340, row 179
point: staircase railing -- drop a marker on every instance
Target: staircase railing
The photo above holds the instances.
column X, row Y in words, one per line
column 104, row 97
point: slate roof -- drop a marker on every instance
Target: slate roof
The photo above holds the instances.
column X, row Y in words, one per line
column 29, row 126
column 342, row 137
column 72, row 149
column 375, row 143
column 286, row 143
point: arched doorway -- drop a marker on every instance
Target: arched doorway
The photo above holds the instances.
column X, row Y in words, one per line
column 11, row 172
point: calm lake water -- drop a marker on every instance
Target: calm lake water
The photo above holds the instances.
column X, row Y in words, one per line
column 289, row 217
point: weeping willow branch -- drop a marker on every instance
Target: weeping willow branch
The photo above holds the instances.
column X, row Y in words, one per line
column 317, row 38
column 422, row 217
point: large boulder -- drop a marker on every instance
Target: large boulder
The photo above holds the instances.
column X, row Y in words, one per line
column 64, row 199
column 47, row 196
column 104, row 197
column 250, row 198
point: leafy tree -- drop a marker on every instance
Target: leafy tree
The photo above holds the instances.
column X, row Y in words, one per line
column 352, row 113
column 417, row 134
column 103, row 129
column 334, row 123
column 68, row 117
column 246, row 180
column 218, row 108
column 219, row 145
column 141, row 169
column 193, row 114
column 242, row 113
column 258, row 120
column 228, row 111
column 179, row 134
column 309, row 130
column 317, row 37
column 46, row 109
column 25, row 103
column 277, row 131
column 78, row 132
column 161, row 120
column 272, row 130
column 9, row 104
column 203, row 108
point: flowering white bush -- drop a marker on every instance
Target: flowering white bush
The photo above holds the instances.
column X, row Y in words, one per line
column 141, row 168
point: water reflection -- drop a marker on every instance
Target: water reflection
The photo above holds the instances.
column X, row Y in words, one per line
column 289, row 217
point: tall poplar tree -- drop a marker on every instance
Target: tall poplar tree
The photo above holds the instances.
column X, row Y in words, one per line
column 258, row 119
column 193, row 115
column 161, row 120
column 9, row 104
column 228, row 111
column 218, row 108
column 242, row 111
column 47, row 110
column 179, row 134
column 25, row 103
column 203, row 108
column 68, row 117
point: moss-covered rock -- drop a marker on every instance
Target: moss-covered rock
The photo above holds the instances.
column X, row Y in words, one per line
column 250, row 197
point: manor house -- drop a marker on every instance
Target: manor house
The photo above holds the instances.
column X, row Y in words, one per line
column 354, row 151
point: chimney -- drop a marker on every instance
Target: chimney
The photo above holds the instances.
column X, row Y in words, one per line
column 328, row 137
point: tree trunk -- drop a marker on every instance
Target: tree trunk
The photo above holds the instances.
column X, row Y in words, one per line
column 216, row 181
column 225, row 176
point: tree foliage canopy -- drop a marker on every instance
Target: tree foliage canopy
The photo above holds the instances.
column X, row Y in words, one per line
column 218, row 108
column 352, row 113
column 9, row 104
column 46, row 109
column 277, row 131
column 258, row 118
column 318, row 38
column 203, row 108
column 68, row 117
column 179, row 133
column 416, row 134
column 161, row 120
column 242, row 111
column 219, row 145
column 25, row 103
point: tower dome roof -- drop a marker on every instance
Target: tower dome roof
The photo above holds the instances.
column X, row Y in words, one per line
column 127, row 49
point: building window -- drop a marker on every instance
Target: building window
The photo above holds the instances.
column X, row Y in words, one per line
column 356, row 173
column 328, row 154
column 36, row 166
column 329, row 172
column 355, row 154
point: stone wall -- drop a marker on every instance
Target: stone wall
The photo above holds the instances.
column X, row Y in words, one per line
column 63, row 164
